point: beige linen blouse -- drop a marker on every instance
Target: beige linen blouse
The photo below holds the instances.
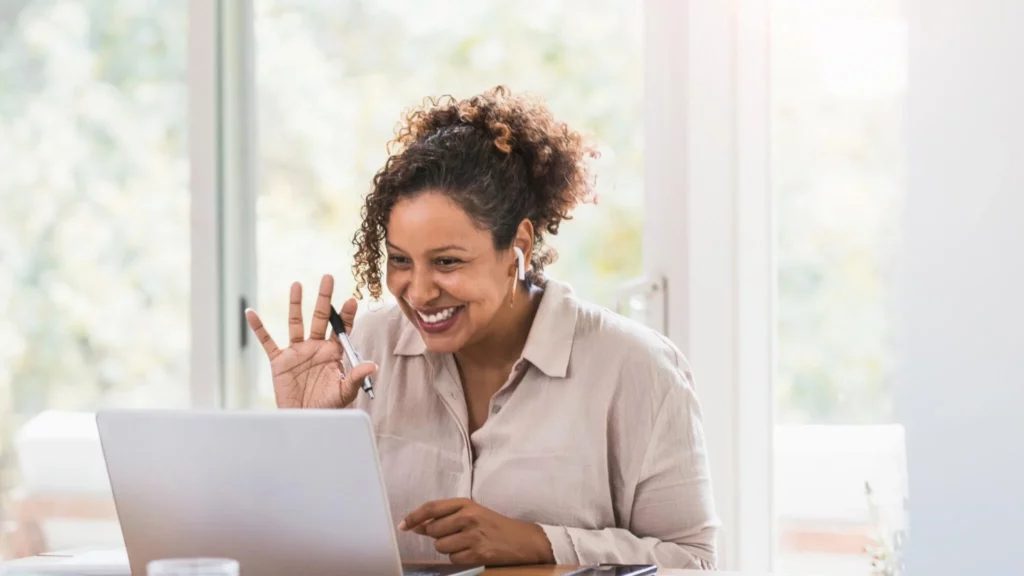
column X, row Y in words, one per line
column 596, row 436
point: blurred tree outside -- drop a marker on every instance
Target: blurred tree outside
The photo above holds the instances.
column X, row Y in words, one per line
column 838, row 73
column 94, row 232
column 94, row 238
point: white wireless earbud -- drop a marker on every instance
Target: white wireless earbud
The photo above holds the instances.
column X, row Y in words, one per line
column 522, row 262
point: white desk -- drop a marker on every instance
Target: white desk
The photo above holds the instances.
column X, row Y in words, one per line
column 25, row 567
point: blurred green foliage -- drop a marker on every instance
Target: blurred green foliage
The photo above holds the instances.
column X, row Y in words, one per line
column 837, row 76
column 94, row 229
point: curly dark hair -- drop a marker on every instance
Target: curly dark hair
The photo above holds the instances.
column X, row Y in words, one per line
column 499, row 156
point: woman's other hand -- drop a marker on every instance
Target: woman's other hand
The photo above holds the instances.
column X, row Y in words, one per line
column 472, row 534
column 308, row 373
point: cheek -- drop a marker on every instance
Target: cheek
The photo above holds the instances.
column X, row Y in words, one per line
column 480, row 290
column 396, row 281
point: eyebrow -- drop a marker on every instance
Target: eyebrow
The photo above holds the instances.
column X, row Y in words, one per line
column 445, row 248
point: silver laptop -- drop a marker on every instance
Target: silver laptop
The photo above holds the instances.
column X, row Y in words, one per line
column 281, row 492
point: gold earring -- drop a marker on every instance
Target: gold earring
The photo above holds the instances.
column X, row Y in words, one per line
column 512, row 300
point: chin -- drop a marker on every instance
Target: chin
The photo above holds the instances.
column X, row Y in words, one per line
column 442, row 345
column 447, row 342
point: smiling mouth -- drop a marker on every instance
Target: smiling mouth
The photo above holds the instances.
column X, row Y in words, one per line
column 440, row 320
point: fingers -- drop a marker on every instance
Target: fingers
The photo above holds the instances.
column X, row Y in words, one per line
column 454, row 543
column 444, row 526
column 353, row 381
column 261, row 334
column 296, row 332
column 322, row 310
column 348, row 314
column 467, row 556
column 432, row 510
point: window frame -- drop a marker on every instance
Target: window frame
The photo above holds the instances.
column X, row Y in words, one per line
column 205, row 349
column 222, row 154
column 707, row 80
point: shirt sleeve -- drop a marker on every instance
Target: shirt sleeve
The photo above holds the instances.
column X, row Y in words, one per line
column 672, row 522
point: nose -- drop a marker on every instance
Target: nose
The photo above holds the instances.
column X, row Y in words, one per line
column 422, row 289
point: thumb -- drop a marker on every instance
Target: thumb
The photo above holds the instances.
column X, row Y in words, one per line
column 353, row 381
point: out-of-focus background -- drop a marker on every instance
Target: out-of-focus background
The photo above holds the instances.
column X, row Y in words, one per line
column 96, row 238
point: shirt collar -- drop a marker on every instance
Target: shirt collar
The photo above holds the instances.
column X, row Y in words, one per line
column 549, row 342
column 410, row 343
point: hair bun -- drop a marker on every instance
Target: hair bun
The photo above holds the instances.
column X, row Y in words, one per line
column 554, row 154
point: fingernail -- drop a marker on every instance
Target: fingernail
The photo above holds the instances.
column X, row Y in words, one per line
column 401, row 525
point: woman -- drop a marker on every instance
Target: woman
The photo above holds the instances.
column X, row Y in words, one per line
column 515, row 423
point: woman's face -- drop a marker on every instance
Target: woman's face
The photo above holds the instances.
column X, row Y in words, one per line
column 444, row 271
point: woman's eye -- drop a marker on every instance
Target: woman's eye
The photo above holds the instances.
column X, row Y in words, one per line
column 398, row 260
column 448, row 262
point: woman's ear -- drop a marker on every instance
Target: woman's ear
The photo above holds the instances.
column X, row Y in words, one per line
column 524, row 241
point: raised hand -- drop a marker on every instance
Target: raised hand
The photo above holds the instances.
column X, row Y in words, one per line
column 308, row 373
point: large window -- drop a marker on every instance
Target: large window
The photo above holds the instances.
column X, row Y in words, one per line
column 95, row 266
column 837, row 79
column 94, row 249
column 333, row 79
column 95, row 228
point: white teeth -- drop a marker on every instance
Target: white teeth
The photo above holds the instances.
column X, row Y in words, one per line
column 438, row 317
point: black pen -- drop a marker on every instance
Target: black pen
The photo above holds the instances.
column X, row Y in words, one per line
column 346, row 344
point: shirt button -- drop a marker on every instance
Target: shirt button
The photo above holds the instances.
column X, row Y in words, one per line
column 496, row 408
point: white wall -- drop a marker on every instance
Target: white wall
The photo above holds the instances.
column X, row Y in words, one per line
column 962, row 392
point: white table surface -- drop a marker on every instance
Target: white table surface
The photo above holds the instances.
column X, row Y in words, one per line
column 24, row 567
